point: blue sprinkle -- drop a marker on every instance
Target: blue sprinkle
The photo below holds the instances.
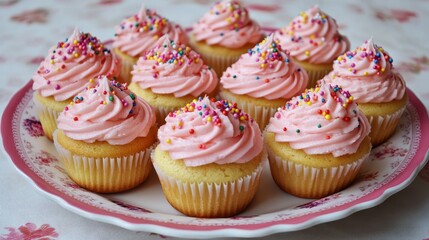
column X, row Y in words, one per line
column 323, row 100
column 378, row 54
column 391, row 60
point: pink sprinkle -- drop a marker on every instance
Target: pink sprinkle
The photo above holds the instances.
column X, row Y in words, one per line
column 57, row 87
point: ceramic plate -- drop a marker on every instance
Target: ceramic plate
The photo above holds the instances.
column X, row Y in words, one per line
column 390, row 168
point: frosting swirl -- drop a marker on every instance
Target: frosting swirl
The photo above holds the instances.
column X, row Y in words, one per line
column 228, row 24
column 139, row 33
column 106, row 111
column 322, row 120
column 367, row 72
column 207, row 132
column 265, row 71
column 71, row 64
column 170, row 68
column 313, row 37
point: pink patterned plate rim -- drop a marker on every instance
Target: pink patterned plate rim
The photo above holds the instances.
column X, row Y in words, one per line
column 391, row 167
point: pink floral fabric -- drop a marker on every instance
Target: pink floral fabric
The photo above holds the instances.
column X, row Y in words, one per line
column 30, row 231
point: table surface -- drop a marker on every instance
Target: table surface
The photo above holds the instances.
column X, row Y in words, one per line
column 30, row 28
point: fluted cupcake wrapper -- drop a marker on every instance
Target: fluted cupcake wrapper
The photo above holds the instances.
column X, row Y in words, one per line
column 127, row 64
column 261, row 115
column 106, row 174
column 47, row 116
column 162, row 112
column 202, row 199
column 312, row 182
column 383, row 127
column 315, row 72
column 219, row 63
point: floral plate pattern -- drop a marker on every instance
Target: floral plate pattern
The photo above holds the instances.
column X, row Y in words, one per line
column 390, row 168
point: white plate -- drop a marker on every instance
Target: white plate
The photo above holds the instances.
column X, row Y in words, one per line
column 390, row 168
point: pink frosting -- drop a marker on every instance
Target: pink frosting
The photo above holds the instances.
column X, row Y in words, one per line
column 170, row 68
column 228, row 24
column 367, row 72
column 106, row 111
column 139, row 33
column 313, row 37
column 70, row 65
column 265, row 72
column 322, row 120
column 207, row 132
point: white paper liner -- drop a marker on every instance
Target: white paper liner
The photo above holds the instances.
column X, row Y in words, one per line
column 259, row 114
column 106, row 174
column 47, row 116
column 203, row 199
column 315, row 75
column 383, row 127
column 162, row 112
column 312, row 182
column 219, row 63
column 126, row 68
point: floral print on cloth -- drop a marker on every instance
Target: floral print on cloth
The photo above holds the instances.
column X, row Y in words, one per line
column 30, row 231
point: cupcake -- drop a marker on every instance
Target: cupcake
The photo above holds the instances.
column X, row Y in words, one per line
column 64, row 73
column 170, row 76
column 368, row 74
column 262, row 80
column 314, row 42
column 224, row 33
column 105, row 137
column 209, row 159
column 139, row 33
column 317, row 142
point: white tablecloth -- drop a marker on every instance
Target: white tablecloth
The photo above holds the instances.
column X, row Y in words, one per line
column 29, row 28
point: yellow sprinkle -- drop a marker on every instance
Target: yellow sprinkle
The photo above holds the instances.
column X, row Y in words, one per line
column 351, row 98
column 195, row 100
column 168, row 141
column 209, row 119
column 52, row 61
column 327, row 117
column 340, row 58
column 75, row 42
column 242, row 118
column 350, row 69
column 91, row 80
column 345, row 105
column 76, row 55
column 382, row 70
column 175, row 61
column 317, row 90
column 307, row 53
column 365, row 73
column 262, row 65
column 324, row 114
column 309, row 103
column 104, row 102
column 312, row 37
